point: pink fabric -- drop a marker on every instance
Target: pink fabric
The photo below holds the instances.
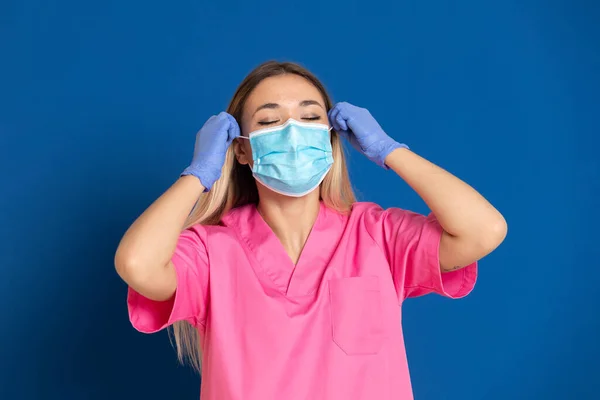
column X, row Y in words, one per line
column 327, row 328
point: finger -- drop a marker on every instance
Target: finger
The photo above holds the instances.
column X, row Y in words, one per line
column 222, row 116
column 341, row 121
column 347, row 113
column 337, row 119
column 211, row 120
column 234, row 129
column 332, row 114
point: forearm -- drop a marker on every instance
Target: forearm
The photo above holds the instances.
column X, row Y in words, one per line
column 151, row 239
column 461, row 211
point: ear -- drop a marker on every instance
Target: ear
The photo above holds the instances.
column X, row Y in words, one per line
column 242, row 151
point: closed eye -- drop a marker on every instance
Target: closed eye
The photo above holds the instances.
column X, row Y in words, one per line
column 275, row 121
column 265, row 123
column 312, row 118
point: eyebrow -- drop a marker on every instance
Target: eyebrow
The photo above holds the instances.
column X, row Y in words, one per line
column 304, row 103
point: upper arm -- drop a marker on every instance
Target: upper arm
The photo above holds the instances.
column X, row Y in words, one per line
column 158, row 285
column 454, row 254
column 412, row 244
column 458, row 252
column 182, row 293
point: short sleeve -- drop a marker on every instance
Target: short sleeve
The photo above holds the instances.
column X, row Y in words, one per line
column 411, row 244
column 189, row 301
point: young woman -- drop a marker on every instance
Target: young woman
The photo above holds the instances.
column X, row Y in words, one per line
column 276, row 281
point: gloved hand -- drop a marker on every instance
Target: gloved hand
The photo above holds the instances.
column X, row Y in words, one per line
column 359, row 127
column 212, row 142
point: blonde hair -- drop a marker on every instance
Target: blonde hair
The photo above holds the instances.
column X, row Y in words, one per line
column 236, row 187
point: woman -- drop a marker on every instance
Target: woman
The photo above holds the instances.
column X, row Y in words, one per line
column 276, row 281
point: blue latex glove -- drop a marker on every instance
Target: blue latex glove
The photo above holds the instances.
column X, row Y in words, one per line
column 212, row 142
column 359, row 127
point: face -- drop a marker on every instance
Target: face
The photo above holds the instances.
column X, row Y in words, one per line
column 273, row 102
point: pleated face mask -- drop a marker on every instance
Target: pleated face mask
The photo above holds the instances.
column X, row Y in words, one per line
column 291, row 159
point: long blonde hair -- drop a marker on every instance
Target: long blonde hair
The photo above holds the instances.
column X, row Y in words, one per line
column 236, row 187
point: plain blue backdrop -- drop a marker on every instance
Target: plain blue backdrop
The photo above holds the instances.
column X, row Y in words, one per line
column 99, row 106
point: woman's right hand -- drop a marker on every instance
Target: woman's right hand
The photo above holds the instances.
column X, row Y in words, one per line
column 212, row 142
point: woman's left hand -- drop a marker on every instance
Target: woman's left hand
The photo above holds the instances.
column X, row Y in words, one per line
column 359, row 127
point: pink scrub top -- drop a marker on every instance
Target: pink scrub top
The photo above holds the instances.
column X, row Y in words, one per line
column 328, row 327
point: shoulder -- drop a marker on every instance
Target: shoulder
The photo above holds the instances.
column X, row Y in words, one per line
column 367, row 212
column 364, row 207
column 372, row 217
column 373, row 212
column 365, row 217
column 209, row 232
column 214, row 235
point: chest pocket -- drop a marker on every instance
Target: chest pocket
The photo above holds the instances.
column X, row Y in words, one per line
column 356, row 314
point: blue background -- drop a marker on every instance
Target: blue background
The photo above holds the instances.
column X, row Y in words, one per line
column 99, row 106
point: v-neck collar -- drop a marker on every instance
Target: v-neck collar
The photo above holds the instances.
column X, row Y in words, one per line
column 272, row 261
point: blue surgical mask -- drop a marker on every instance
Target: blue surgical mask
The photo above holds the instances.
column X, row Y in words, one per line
column 291, row 159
